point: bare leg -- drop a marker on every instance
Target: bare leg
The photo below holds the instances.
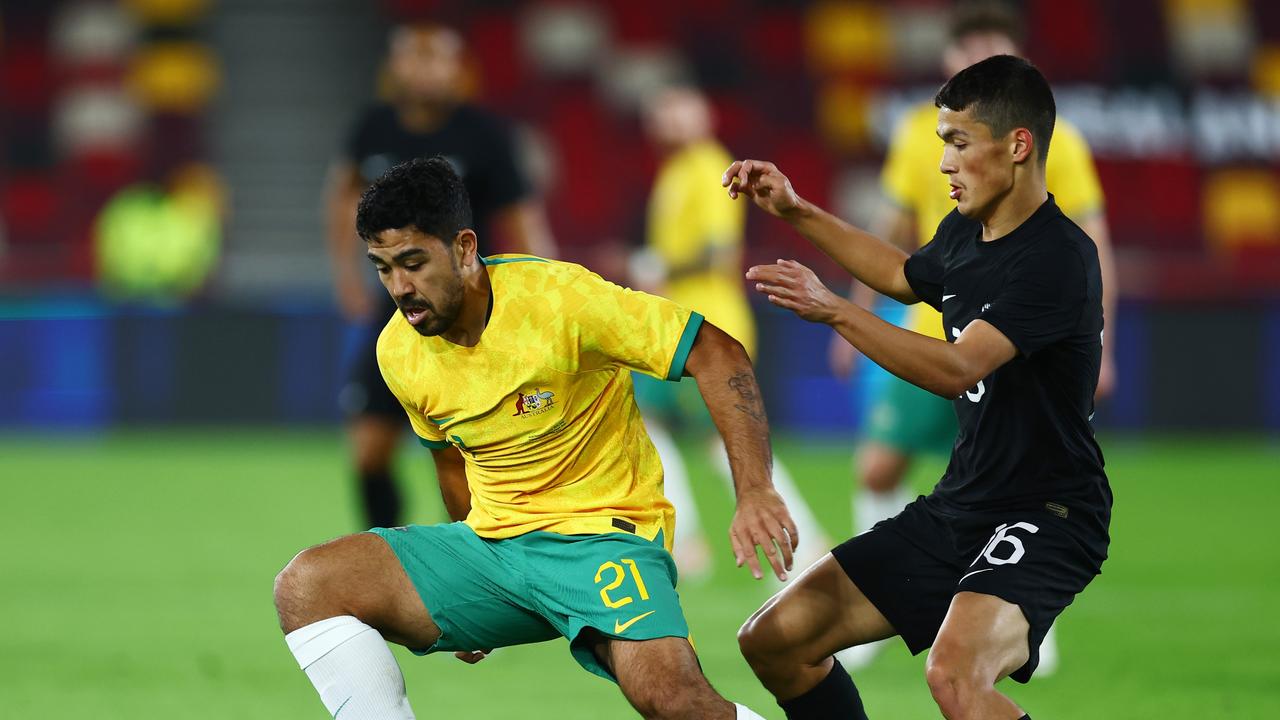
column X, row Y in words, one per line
column 661, row 679
column 982, row 640
column 789, row 641
column 356, row 575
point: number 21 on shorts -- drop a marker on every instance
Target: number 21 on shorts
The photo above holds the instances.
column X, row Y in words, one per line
column 618, row 575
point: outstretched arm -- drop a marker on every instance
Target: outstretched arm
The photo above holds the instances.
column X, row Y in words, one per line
column 946, row 369
column 869, row 259
column 728, row 385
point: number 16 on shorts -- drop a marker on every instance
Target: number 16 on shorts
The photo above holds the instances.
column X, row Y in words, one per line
column 996, row 555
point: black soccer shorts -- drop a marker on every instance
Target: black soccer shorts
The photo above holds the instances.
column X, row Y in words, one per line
column 911, row 565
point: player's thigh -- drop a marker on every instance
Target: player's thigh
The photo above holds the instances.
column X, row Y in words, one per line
column 818, row 613
column 355, row 575
column 1036, row 560
column 610, row 585
column 468, row 586
column 906, row 567
column 983, row 636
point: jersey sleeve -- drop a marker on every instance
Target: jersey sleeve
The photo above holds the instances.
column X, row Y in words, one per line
column 635, row 330
column 1071, row 176
column 429, row 434
column 1043, row 300
column 926, row 268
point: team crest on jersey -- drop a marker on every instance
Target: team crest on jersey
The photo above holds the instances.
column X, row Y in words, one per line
column 534, row 403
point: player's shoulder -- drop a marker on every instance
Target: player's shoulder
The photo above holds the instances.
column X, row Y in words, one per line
column 394, row 339
column 531, row 274
column 1061, row 242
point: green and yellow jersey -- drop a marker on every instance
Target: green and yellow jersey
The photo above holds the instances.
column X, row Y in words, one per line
column 691, row 218
column 541, row 407
column 911, row 180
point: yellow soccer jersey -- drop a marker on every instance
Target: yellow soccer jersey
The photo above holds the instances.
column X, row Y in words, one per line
column 912, row 180
column 690, row 216
column 541, row 407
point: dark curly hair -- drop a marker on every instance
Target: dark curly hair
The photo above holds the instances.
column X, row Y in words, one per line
column 1004, row 92
column 424, row 193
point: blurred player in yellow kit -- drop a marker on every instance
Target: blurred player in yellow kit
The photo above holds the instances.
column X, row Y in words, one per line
column 903, row 420
column 693, row 255
column 516, row 372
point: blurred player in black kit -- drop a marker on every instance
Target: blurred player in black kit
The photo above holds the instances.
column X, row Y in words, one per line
column 1018, row 525
column 426, row 116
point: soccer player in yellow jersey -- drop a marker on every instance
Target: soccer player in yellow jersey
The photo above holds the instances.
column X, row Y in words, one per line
column 903, row 420
column 693, row 255
column 516, row 372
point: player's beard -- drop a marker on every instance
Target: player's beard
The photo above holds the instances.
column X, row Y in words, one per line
column 440, row 315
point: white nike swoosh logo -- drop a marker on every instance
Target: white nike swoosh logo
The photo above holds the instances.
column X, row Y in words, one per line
column 947, row 297
column 975, row 572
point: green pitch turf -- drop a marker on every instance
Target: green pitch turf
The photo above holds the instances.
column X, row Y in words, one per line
column 135, row 582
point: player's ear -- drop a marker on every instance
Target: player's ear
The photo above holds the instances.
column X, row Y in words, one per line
column 465, row 247
column 1022, row 145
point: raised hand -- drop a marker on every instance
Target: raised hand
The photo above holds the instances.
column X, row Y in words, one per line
column 793, row 286
column 761, row 181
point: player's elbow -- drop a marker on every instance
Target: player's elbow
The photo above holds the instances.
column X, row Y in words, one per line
column 714, row 349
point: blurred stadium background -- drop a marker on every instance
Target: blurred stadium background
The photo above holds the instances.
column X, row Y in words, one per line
column 169, row 351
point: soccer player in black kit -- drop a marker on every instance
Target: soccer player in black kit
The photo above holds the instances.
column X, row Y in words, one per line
column 1018, row 525
column 426, row 115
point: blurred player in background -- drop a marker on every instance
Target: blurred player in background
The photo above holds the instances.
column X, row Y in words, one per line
column 1018, row 525
column 904, row 420
column 693, row 255
column 516, row 372
column 426, row 115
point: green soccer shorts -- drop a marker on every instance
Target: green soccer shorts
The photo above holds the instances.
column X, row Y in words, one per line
column 911, row 420
column 539, row 586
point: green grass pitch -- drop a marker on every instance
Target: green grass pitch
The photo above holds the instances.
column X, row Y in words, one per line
column 135, row 582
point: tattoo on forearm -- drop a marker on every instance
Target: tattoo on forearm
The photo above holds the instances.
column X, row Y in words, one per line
column 744, row 383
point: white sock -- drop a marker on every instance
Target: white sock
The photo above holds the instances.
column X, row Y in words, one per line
column 813, row 541
column 870, row 507
column 745, row 713
column 675, row 484
column 352, row 668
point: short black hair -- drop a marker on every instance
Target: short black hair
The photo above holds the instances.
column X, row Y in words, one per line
column 985, row 16
column 1004, row 92
column 424, row 193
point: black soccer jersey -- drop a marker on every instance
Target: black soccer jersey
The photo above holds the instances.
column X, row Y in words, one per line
column 1025, row 438
column 477, row 143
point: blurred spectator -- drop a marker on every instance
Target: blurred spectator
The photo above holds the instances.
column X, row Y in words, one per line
column 427, row 114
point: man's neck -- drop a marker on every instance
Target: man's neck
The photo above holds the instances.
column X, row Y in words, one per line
column 1014, row 208
column 474, row 318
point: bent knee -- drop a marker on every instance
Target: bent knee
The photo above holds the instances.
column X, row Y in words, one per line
column 311, row 587
column 954, row 682
column 668, row 703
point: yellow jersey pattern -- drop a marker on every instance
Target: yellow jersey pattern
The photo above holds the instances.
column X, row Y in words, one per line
column 911, row 179
column 541, row 407
column 689, row 218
